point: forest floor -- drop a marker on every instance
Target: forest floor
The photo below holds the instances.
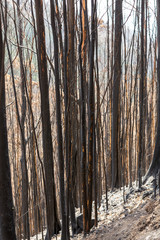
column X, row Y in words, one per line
column 136, row 218
column 132, row 215
column 141, row 224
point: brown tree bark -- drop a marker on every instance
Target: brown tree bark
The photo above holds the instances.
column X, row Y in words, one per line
column 155, row 164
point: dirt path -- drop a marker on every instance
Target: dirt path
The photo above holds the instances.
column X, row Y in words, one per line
column 142, row 224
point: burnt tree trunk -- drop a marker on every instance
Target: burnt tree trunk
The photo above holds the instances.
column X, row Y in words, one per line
column 53, row 224
column 65, row 231
column 141, row 108
column 116, row 91
column 26, row 230
column 91, row 115
column 7, row 227
column 82, row 62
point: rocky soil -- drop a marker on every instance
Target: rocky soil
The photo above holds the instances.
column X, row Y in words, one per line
column 142, row 223
column 133, row 214
column 136, row 219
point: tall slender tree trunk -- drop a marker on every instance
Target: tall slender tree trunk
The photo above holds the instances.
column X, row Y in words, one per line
column 65, row 231
column 26, row 230
column 82, row 54
column 155, row 164
column 91, row 114
column 7, row 227
column 53, row 224
column 72, row 109
column 116, row 95
column 66, row 102
column 141, row 99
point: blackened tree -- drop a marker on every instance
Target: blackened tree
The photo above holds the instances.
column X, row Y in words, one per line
column 116, row 94
column 7, row 227
column 53, row 223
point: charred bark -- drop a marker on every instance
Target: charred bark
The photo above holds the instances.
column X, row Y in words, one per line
column 7, row 225
column 53, row 224
column 116, row 94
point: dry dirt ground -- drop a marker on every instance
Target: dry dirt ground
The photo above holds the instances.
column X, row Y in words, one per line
column 141, row 224
column 133, row 214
